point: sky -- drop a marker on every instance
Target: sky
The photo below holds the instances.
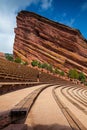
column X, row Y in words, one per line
column 69, row 12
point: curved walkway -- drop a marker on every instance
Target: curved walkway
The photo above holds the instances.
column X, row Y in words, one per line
column 56, row 106
column 46, row 114
column 9, row 100
column 56, row 109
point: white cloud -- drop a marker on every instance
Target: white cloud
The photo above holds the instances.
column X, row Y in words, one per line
column 8, row 10
column 84, row 6
column 64, row 15
column 67, row 21
column 45, row 4
column 6, row 42
column 64, row 20
column 70, row 22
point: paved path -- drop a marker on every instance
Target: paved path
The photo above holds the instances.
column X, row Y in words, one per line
column 9, row 100
column 46, row 114
column 78, row 109
column 57, row 107
column 60, row 114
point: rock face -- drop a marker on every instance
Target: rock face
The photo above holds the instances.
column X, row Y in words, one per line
column 39, row 38
column 2, row 55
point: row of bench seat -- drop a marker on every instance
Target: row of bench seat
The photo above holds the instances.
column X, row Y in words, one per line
column 10, row 71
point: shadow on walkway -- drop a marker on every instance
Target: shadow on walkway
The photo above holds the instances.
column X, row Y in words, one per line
column 51, row 127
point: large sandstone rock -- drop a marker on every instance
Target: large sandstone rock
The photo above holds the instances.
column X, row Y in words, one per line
column 2, row 55
column 39, row 38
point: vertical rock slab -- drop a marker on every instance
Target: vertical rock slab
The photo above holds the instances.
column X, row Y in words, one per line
column 39, row 38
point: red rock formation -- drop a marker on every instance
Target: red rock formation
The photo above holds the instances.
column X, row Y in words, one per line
column 39, row 38
column 2, row 55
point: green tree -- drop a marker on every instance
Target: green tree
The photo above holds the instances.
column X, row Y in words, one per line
column 73, row 74
column 82, row 77
column 9, row 57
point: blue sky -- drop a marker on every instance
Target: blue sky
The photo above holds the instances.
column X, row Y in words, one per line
column 69, row 12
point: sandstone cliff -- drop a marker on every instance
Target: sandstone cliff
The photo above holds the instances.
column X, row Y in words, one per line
column 2, row 55
column 39, row 38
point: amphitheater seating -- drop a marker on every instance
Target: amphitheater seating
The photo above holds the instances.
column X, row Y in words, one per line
column 10, row 71
column 47, row 77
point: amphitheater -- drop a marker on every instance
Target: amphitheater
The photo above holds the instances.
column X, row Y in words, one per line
column 50, row 104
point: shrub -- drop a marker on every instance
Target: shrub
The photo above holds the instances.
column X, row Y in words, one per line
column 82, row 77
column 45, row 65
column 34, row 63
column 73, row 74
column 18, row 60
column 39, row 65
column 62, row 73
column 57, row 71
column 24, row 62
column 9, row 57
column 50, row 68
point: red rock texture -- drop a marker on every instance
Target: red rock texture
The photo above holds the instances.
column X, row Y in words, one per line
column 2, row 55
column 42, row 39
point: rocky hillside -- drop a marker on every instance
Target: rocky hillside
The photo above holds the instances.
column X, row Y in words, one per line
column 38, row 38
